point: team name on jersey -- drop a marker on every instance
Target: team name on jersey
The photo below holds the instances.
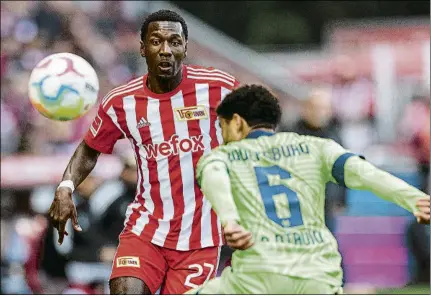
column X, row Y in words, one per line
column 174, row 146
column 275, row 153
column 191, row 113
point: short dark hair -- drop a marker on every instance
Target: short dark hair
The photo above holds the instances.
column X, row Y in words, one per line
column 256, row 104
column 163, row 15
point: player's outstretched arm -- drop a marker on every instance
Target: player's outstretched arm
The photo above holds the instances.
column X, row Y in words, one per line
column 360, row 174
column 216, row 186
column 62, row 208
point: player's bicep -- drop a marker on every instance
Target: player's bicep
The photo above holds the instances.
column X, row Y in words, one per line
column 103, row 133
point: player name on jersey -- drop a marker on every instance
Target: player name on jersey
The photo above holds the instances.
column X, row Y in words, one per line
column 275, row 153
column 298, row 238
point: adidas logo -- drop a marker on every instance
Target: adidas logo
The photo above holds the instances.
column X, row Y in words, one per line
column 143, row 123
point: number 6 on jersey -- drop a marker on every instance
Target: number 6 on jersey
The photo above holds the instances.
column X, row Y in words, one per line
column 281, row 203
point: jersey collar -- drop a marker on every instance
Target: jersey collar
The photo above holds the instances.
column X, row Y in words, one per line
column 258, row 133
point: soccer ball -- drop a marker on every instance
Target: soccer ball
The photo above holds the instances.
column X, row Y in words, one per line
column 63, row 86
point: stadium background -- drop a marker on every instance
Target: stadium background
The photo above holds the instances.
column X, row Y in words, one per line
column 369, row 59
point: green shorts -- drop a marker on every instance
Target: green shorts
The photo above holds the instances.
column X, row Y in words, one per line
column 263, row 283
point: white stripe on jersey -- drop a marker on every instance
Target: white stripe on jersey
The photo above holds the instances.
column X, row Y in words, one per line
column 211, row 71
column 210, row 75
column 202, row 96
column 224, row 93
column 187, row 176
column 122, row 87
column 210, row 78
column 128, row 89
column 156, row 130
column 129, row 107
column 111, row 113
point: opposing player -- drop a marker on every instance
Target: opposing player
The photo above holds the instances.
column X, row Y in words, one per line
column 172, row 236
column 268, row 190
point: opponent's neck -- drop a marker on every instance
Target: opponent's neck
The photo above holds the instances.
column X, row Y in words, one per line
column 263, row 129
column 160, row 86
column 256, row 132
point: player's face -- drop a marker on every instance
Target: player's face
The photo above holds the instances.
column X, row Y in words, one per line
column 164, row 48
column 232, row 130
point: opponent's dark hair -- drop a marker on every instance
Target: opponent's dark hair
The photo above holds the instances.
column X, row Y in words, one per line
column 256, row 104
column 163, row 15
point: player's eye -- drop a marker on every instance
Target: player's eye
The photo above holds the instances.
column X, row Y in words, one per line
column 155, row 41
column 175, row 43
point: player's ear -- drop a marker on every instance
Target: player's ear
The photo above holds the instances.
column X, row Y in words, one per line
column 237, row 119
column 185, row 49
column 142, row 49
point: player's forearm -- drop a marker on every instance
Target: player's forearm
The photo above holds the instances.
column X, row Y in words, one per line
column 81, row 164
column 217, row 189
column 360, row 174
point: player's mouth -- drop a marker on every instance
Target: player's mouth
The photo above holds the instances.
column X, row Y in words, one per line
column 165, row 66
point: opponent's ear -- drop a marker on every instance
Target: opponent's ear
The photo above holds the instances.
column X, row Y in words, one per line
column 237, row 119
column 185, row 49
column 142, row 49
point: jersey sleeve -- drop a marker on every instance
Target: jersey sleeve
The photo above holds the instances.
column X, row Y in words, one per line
column 215, row 156
column 103, row 133
column 333, row 157
column 362, row 175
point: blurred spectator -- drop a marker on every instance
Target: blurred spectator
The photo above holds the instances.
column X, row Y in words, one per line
column 418, row 242
column 353, row 104
column 317, row 120
column 101, row 210
column 33, row 30
column 10, row 133
column 415, row 132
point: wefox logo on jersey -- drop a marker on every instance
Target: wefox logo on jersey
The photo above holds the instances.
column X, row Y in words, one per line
column 191, row 113
column 174, row 146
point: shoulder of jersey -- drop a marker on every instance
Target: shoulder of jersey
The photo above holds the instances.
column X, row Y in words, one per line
column 119, row 92
column 210, row 75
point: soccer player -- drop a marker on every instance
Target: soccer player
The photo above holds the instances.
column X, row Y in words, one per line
column 172, row 237
column 268, row 190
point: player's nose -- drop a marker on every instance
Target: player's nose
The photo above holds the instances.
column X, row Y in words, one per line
column 165, row 49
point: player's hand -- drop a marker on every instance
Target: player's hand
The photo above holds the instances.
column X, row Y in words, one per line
column 423, row 213
column 61, row 210
column 237, row 237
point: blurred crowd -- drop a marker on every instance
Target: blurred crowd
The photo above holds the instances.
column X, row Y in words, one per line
column 106, row 35
column 103, row 33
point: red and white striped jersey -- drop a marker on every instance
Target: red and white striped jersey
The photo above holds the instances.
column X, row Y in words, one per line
column 169, row 133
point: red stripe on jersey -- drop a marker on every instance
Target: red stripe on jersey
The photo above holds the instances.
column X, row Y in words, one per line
column 195, row 130
column 167, row 113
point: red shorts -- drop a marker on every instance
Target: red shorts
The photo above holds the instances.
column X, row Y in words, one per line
column 174, row 272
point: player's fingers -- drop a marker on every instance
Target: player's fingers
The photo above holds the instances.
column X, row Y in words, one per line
column 229, row 232
column 61, row 230
column 75, row 220
column 52, row 211
column 423, row 202
column 242, row 244
column 51, row 208
column 240, row 235
column 248, row 244
column 422, row 218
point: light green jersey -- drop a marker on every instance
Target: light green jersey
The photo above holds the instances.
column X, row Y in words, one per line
column 278, row 186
